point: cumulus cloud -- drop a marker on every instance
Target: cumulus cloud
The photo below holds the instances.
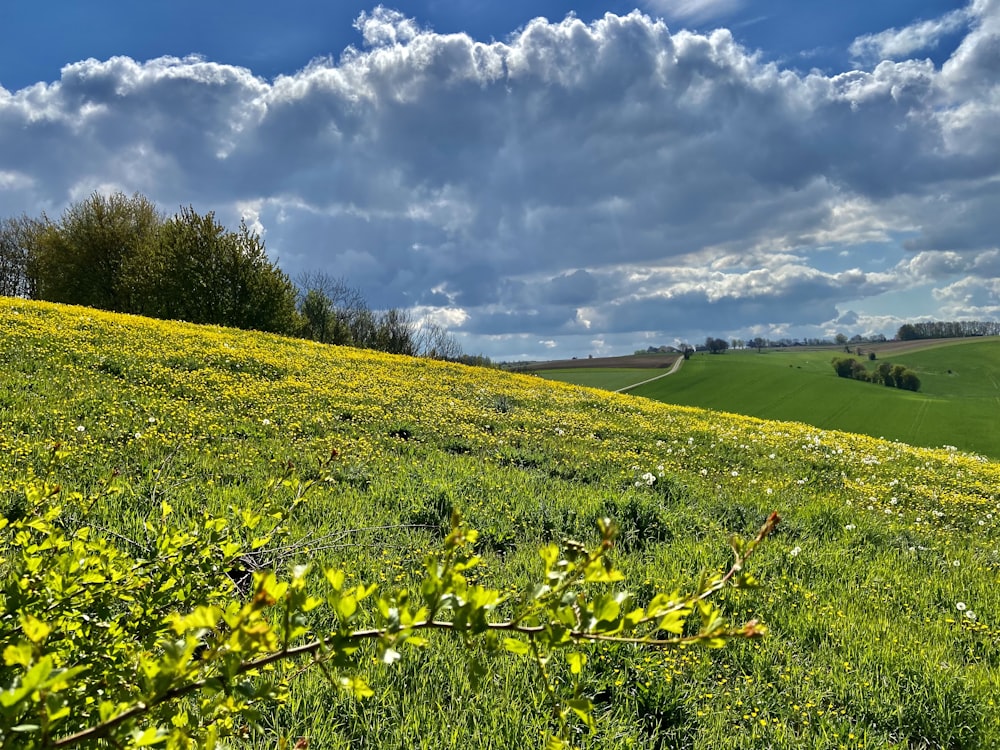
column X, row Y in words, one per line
column 574, row 183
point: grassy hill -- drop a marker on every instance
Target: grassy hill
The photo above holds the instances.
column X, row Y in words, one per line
column 879, row 586
column 957, row 405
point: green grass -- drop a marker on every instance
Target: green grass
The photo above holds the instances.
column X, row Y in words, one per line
column 956, row 408
column 879, row 544
column 607, row 378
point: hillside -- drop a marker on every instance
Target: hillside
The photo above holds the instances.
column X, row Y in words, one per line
column 956, row 405
column 878, row 587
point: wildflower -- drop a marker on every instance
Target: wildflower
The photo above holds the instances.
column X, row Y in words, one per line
column 960, row 606
column 81, row 428
column 956, row 563
column 850, row 527
column 970, row 615
column 265, row 422
column 795, row 551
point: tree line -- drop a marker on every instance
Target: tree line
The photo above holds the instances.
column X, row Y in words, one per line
column 948, row 329
column 893, row 376
column 120, row 253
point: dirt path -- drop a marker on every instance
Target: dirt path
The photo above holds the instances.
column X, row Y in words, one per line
column 676, row 366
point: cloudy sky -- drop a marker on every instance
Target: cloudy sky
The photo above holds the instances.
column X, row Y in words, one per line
column 548, row 179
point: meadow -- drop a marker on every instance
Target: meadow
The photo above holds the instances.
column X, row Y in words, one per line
column 879, row 587
column 957, row 403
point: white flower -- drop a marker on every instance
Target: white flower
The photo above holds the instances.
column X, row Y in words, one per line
column 138, row 436
column 151, row 420
column 560, row 431
column 81, row 428
column 265, row 422
column 850, row 527
column 734, row 473
column 956, row 563
column 769, row 491
column 795, row 551
column 971, row 615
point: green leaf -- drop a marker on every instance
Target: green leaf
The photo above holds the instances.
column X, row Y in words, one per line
column 516, row 646
column 576, row 661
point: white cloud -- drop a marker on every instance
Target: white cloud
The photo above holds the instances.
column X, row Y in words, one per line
column 576, row 182
column 896, row 44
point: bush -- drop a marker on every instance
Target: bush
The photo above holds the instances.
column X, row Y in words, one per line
column 164, row 648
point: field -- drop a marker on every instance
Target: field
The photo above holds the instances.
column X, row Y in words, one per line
column 879, row 587
column 957, row 404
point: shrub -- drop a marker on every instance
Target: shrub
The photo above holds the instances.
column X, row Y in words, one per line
column 164, row 649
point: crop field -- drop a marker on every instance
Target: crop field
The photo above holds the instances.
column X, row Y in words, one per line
column 958, row 403
column 878, row 588
column 607, row 378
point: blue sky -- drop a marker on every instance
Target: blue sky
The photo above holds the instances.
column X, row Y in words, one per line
column 586, row 184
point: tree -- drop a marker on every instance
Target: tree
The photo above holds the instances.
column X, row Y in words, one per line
column 435, row 342
column 840, row 339
column 844, row 366
column 16, row 240
column 759, row 343
column 199, row 271
column 716, row 346
column 395, row 333
column 907, row 332
column 93, row 254
column 909, row 381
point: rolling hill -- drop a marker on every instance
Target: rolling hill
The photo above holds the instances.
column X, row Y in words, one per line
column 878, row 588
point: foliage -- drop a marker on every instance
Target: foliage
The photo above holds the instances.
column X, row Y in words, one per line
column 118, row 253
column 157, row 648
column 947, row 329
column 716, row 346
column 891, row 375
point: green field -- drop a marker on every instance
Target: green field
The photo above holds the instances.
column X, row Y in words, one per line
column 606, row 378
column 958, row 408
column 879, row 587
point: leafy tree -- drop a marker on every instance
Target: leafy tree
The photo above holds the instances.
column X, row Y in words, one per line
column 395, row 333
column 716, row 346
column 907, row 332
column 759, row 343
column 203, row 273
column 883, row 374
column 844, row 366
column 90, row 256
column 909, row 381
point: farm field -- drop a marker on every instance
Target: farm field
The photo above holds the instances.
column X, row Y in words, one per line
column 606, row 378
column 878, row 588
column 958, row 408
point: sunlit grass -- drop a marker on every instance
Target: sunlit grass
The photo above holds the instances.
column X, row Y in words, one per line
column 880, row 545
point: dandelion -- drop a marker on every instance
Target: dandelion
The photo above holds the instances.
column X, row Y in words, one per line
column 265, row 422
column 560, row 431
column 970, row 615
column 734, row 473
column 151, row 420
column 795, row 551
column 956, row 563
column 648, row 479
column 769, row 491
column 850, row 527
column 960, row 606
column 81, row 428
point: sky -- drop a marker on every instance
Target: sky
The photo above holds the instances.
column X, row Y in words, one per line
column 546, row 179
